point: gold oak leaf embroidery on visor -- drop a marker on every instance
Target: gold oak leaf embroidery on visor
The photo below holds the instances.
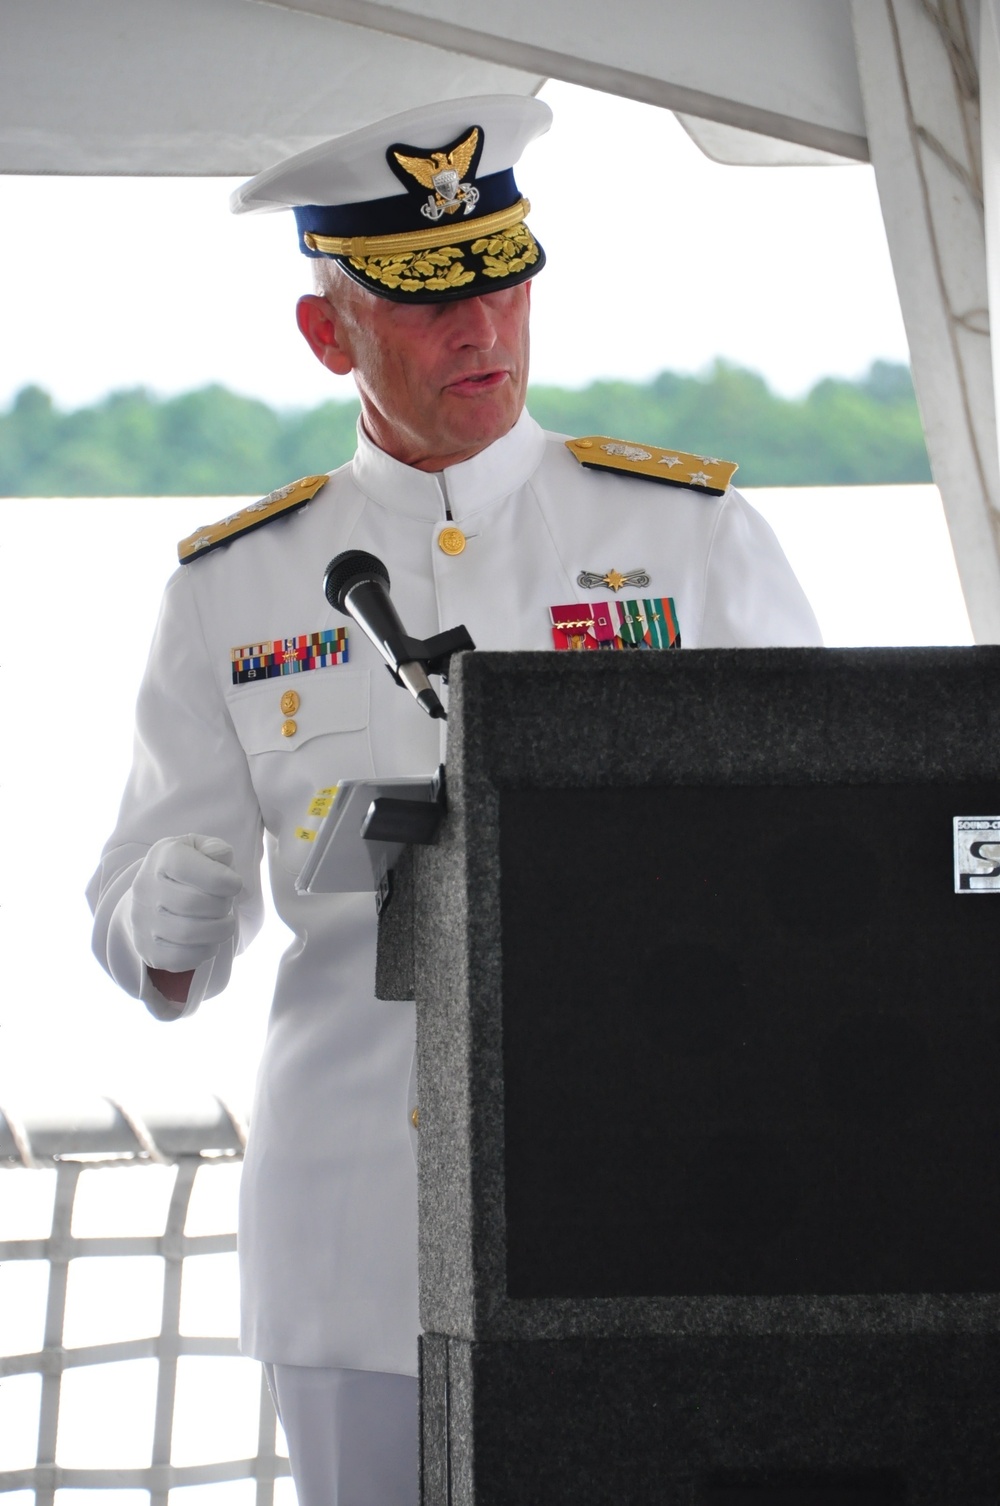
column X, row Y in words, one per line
column 442, row 269
column 504, row 255
column 435, row 271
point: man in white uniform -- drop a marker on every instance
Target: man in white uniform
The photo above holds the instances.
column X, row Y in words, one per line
column 257, row 695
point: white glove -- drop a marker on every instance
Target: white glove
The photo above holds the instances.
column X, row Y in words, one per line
column 182, row 902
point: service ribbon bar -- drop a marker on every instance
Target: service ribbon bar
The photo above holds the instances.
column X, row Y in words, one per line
column 611, row 625
column 289, row 656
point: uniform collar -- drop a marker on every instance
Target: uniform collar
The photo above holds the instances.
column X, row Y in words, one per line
column 468, row 487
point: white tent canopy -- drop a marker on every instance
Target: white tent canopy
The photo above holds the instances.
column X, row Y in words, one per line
column 784, row 68
column 214, row 87
column 225, row 86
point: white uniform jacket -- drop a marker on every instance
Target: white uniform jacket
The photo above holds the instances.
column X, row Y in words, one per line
column 329, row 1216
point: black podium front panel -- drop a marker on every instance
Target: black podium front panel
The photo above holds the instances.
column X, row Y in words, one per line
column 721, row 1420
column 750, row 1042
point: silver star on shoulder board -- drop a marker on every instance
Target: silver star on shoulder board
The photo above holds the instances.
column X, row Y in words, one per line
column 670, row 460
column 699, row 478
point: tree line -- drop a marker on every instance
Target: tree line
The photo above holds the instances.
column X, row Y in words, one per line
column 213, row 442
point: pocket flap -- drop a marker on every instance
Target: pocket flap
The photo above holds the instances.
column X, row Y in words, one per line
column 279, row 715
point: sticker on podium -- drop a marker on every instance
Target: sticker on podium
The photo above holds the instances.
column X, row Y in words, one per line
column 977, row 854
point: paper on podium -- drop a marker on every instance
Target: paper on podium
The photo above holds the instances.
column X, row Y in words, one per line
column 340, row 860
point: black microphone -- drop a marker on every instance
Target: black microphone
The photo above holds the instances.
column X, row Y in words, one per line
column 357, row 584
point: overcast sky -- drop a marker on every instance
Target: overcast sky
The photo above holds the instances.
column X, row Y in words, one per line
column 658, row 258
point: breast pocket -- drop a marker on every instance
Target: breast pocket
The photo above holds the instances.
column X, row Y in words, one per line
column 302, row 733
column 283, row 714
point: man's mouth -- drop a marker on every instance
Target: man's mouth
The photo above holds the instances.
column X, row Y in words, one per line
column 477, row 382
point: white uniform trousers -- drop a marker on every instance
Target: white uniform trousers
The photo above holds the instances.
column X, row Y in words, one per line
column 352, row 1434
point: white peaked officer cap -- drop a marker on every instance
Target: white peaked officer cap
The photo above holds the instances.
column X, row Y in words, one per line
column 418, row 208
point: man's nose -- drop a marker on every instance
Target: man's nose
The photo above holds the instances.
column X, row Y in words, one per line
column 474, row 323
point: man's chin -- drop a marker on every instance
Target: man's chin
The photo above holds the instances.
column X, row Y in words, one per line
column 481, row 419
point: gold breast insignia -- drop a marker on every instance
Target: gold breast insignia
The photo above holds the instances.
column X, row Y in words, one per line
column 613, row 579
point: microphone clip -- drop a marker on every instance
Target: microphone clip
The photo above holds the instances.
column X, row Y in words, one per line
column 434, row 654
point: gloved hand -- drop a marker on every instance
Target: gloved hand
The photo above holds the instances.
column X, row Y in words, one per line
column 182, row 902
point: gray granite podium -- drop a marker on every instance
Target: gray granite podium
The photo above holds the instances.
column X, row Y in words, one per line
column 708, row 1052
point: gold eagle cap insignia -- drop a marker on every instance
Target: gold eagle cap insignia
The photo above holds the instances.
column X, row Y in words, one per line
column 426, row 169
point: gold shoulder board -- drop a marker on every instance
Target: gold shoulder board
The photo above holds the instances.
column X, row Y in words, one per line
column 274, row 505
column 674, row 467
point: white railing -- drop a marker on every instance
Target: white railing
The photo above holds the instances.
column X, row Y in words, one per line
column 166, row 1184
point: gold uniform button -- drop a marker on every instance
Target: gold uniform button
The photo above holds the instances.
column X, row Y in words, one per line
column 451, row 540
column 415, row 1118
column 289, row 728
column 584, row 444
column 289, row 703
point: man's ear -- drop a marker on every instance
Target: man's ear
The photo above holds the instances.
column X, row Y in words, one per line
column 318, row 323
